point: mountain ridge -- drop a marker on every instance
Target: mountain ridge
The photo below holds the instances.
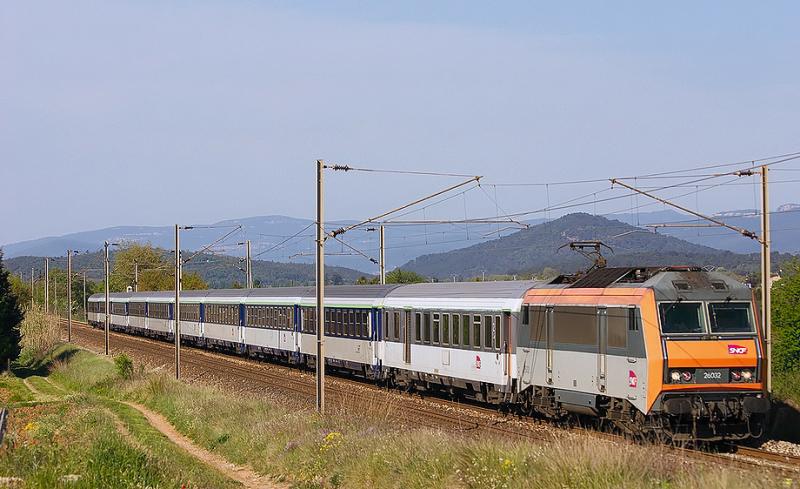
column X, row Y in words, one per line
column 541, row 246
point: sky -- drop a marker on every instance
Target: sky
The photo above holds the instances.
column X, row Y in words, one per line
column 156, row 113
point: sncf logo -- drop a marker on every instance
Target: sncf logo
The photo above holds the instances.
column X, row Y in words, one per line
column 736, row 350
column 633, row 381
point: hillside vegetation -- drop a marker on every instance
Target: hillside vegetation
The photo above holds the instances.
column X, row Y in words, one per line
column 216, row 271
column 531, row 250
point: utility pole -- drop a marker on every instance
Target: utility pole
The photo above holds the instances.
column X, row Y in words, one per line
column 46, row 285
column 766, row 273
column 177, row 308
column 249, row 266
column 382, row 257
column 85, row 305
column 69, row 296
column 136, row 276
column 106, row 267
column 320, row 291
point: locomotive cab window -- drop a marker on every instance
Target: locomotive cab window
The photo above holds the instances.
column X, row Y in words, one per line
column 681, row 318
column 730, row 317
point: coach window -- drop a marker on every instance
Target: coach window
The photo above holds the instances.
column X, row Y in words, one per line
column 418, row 327
column 456, row 329
column 445, row 329
column 362, row 319
column 576, row 325
column 426, row 327
column 487, row 332
column 465, row 331
column 396, row 325
column 617, row 327
column 436, row 323
column 497, row 329
column 476, row 331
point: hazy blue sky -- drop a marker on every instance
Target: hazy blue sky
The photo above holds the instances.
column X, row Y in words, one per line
column 154, row 112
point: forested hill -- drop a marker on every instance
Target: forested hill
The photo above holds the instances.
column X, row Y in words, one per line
column 533, row 249
column 218, row 271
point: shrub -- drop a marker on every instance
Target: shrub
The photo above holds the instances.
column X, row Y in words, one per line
column 124, row 366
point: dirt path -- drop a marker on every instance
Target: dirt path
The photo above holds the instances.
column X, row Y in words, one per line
column 243, row 474
column 36, row 392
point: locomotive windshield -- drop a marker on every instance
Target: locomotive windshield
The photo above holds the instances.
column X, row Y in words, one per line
column 730, row 317
column 681, row 318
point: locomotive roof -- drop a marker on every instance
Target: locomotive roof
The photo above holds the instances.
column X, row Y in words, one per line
column 668, row 283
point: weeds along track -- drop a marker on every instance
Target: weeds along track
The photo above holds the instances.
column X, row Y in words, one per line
column 346, row 395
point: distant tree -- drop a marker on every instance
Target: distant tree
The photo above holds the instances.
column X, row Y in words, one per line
column 362, row 280
column 236, row 285
column 192, row 281
column 547, row 274
column 156, row 272
column 21, row 289
column 786, row 318
column 399, row 276
column 10, row 318
column 153, row 269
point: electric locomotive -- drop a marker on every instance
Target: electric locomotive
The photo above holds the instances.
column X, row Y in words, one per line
column 672, row 353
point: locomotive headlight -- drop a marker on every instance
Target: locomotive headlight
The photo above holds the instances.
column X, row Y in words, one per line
column 686, row 376
column 747, row 375
column 675, row 376
column 736, row 376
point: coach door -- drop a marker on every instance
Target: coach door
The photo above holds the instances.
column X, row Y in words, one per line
column 407, row 336
column 550, row 336
column 602, row 348
column 506, row 345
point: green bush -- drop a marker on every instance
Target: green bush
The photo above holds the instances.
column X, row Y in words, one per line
column 124, row 366
column 786, row 319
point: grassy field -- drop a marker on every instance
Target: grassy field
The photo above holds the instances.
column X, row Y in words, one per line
column 75, row 428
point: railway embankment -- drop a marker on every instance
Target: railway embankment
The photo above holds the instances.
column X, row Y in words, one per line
column 72, row 422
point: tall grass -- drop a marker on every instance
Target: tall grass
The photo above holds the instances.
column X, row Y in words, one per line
column 40, row 333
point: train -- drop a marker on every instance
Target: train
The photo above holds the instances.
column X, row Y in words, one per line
column 672, row 354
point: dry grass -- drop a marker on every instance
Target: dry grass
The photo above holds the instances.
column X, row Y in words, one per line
column 40, row 334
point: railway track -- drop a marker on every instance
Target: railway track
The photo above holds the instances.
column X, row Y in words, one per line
column 352, row 396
